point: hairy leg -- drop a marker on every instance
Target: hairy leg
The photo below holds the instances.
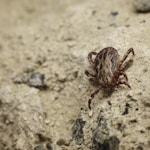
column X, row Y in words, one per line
column 126, row 55
column 125, row 75
column 90, row 73
column 90, row 55
column 92, row 96
column 125, row 83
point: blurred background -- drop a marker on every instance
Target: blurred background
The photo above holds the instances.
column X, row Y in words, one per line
column 43, row 89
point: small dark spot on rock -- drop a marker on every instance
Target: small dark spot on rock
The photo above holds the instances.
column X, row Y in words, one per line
column 133, row 121
column 127, row 25
column 113, row 25
column 126, row 111
column 40, row 60
column 131, row 97
column 39, row 147
column 139, row 147
column 148, row 128
column 142, row 131
column 43, row 138
column 100, row 119
column 1, row 102
column 75, row 74
column 99, row 28
column 136, row 109
column 29, row 10
column 94, row 12
column 145, row 70
column 109, row 144
column 61, row 142
column 77, row 131
column 46, row 38
column 114, row 13
column 49, row 146
column 109, row 103
column 20, row 37
column 81, row 108
column 143, row 21
column 36, row 79
column 44, row 147
column 146, row 104
column 120, row 127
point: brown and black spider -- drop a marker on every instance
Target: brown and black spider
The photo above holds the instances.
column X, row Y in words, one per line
column 107, row 69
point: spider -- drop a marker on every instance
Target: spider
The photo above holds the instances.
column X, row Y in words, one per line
column 107, row 69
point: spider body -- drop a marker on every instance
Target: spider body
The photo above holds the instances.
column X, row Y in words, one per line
column 107, row 69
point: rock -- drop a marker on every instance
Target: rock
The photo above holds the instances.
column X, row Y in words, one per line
column 100, row 133
column 36, row 79
column 77, row 131
column 39, row 147
column 61, row 142
column 109, row 144
column 49, row 146
column 142, row 5
column 126, row 111
column 44, row 147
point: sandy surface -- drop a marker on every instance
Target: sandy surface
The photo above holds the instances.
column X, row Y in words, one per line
column 54, row 37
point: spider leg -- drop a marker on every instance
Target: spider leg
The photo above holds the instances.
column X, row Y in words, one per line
column 92, row 96
column 125, row 75
column 125, row 83
column 126, row 55
column 126, row 65
column 90, row 55
column 89, row 73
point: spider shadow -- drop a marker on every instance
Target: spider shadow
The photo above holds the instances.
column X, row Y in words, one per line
column 106, row 92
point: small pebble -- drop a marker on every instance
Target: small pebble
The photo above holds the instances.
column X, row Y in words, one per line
column 36, row 79
column 61, row 142
column 39, row 147
column 142, row 5
column 49, row 146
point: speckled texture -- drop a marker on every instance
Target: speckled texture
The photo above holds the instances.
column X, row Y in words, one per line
column 54, row 38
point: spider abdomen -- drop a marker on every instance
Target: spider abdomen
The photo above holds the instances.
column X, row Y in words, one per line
column 107, row 67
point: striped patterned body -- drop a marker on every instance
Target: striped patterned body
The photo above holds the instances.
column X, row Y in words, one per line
column 106, row 66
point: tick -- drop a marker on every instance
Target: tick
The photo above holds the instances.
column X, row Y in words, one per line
column 108, row 69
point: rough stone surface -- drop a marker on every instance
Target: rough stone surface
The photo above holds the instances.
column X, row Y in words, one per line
column 109, row 144
column 36, row 79
column 77, row 131
column 142, row 5
column 54, row 38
